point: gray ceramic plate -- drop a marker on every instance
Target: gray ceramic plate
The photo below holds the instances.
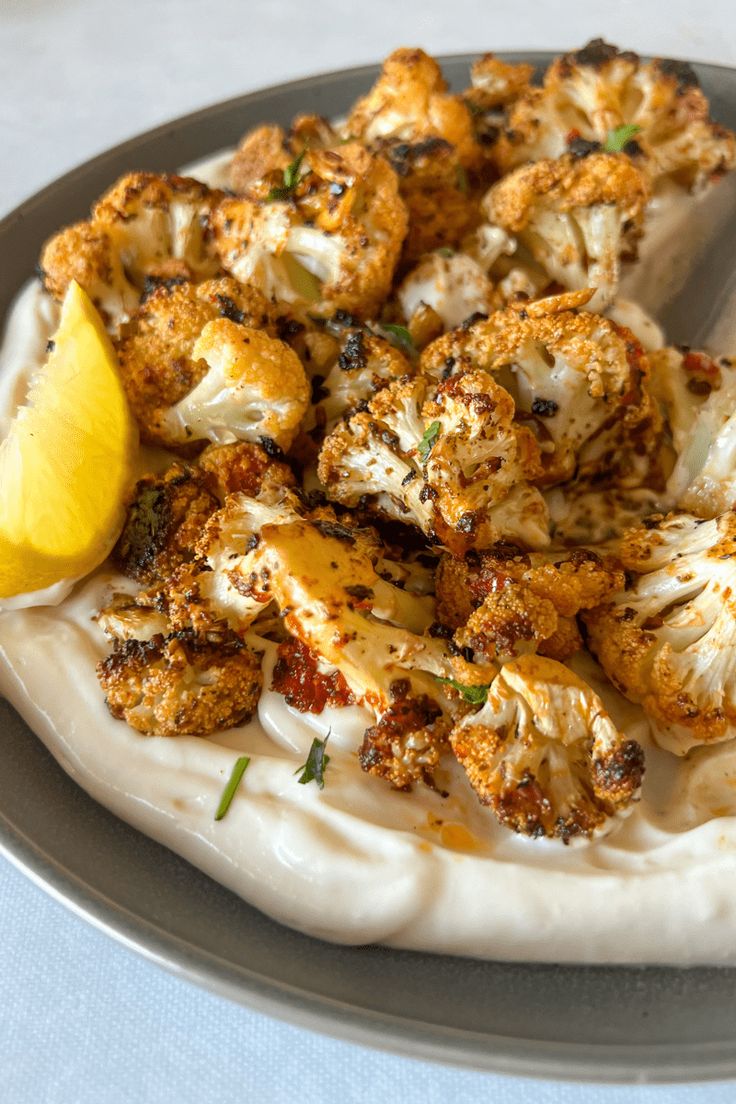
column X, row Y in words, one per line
column 552, row 1021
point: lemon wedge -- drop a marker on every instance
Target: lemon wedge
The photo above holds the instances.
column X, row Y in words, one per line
column 66, row 463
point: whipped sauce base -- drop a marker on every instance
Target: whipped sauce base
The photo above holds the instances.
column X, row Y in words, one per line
column 358, row 862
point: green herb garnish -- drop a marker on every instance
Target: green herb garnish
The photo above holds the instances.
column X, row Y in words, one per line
column 428, row 441
column 476, row 695
column 228, row 793
column 461, row 178
column 618, row 139
column 291, row 179
column 314, row 768
column 445, row 251
column 402, row 335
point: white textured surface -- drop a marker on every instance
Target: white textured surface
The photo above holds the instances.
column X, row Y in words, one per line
column 82, row 1019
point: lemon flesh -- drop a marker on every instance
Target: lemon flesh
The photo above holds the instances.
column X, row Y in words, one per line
column 65, row 466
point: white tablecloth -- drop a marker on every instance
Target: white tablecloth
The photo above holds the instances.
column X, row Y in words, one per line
column 81, row 1018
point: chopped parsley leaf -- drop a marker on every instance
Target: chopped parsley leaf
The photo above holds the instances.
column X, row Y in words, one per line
column 314, row 768
column 228, row 793
column 476, row 695
column 428, row 441
column 617, row 140
column 402, row 335
column 445, row 251
column 291, row 179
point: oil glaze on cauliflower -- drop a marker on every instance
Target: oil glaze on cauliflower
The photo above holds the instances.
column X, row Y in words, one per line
column 667, row 640
column 544, row 755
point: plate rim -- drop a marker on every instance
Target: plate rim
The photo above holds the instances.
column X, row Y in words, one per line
column 664, row 1063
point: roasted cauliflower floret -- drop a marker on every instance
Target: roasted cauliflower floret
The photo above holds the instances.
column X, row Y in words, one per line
column 328, row 238
column 353, row 362
column 441, row 204
column 579, row 380
column 254, row 389
column 453, row 284
column 179, row 686
column 496, row 83
column 447, row 458
column 590, row 93
column 544, row 755
column 406, row 744
column 410, row 102
column 698, row 394
column 156, row 348
column 268, row 149
column 145, row 225
column 576, row 216
column 666, row 641
column 164, row 523
column 243, row 468
column 504, row 601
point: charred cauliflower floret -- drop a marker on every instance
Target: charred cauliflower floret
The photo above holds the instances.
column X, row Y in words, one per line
column 144, row 226
column 156, row 348
column 179, row 686
column 575, row 378
column 589, row 94
column 410, row 102
column 254, row 389
column 433, row 182
column 350, row 362
column 164, row 523
column 406, row 744
column 698, row 394
column 495, row 85
column 544, row 755
column 666, row 641
column 576, row 216
column 447, row 458
column 453, row 284
column 504, row 601
column 268, row 149
column 327, row 237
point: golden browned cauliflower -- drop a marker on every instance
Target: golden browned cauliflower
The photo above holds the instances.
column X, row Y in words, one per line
column 163, row 523
column 179, row 686
column 268, row 149
column 146, row 225
column 243, row 468
column 666, row 639
column 324, row 233
column 410, row 102
column 589, row 95
column 446, row 457
column 495, row 85
column 406, row 744
column 503, row 601
column 578, row 380
column 543, row 754
column 441, row 203
column 254, row 390
column 576, row 216
column 164, row 364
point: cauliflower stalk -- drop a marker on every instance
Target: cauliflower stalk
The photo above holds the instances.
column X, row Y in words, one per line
column 667, row 639
column 544, row 755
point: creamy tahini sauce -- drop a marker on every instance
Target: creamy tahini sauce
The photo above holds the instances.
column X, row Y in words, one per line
column 358, row 862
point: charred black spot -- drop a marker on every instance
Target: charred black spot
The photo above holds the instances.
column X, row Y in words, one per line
column 353, row 356
column 468, row 522
column 410, row 475
column 476, row 316
column 229, row 309
column 357, row 590
column 270, row 448
column 450, row 363
column 683, row 73
column 154, row 283
column 581, row 147
column 598, row 53
column 545, row 408
column 334, row 529
column 287, row 328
